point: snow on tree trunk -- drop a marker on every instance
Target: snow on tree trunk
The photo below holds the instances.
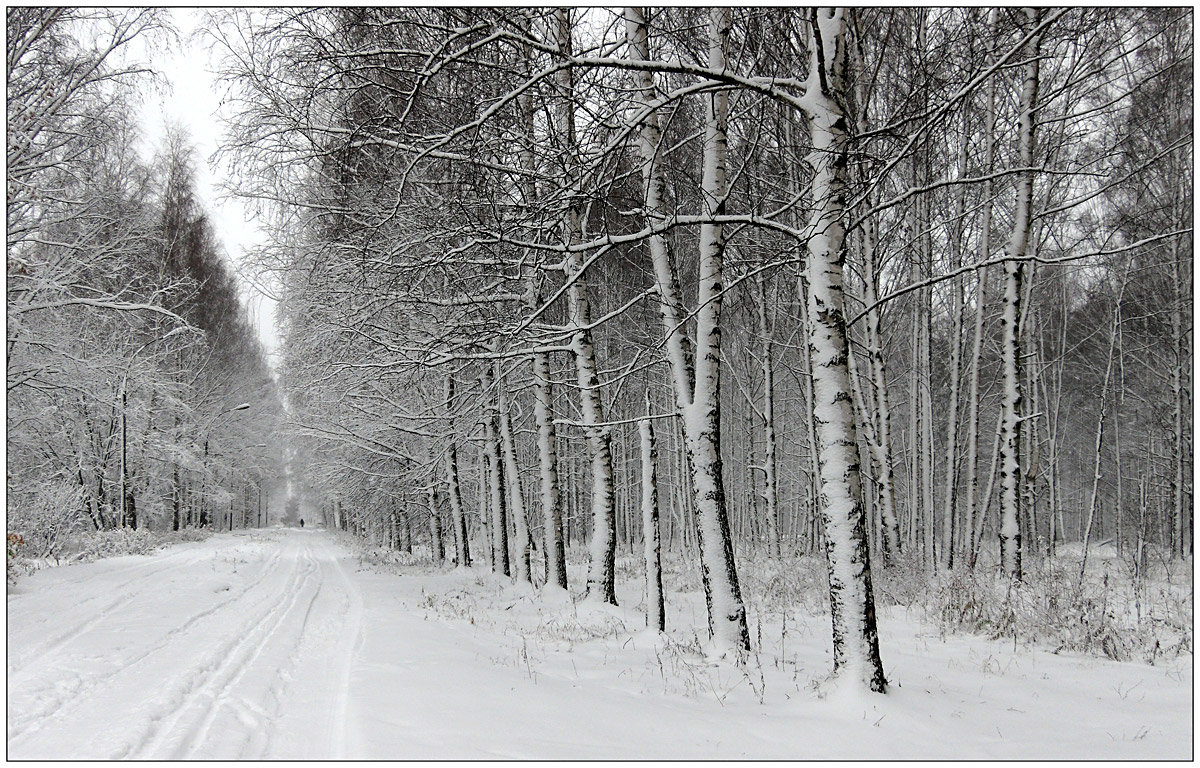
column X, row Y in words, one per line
column 1030, row 418
column 698, row 393
column 495, row 475
column 985, row 231
column 175, row 492
column 483, row 501
column 516, row 500
column 770, row 462
column 601, row 583
column 601, row 573
column 852, row 603
column 1010, row 440
column 1179, row 372
column 458, row 518
column 437, row 548
column 950, row 497
column 556, row 560
column 882, row 445
column 655, row 617
column 543, row 403
column 678, row 344
column 1010, row 444
column 462, row 549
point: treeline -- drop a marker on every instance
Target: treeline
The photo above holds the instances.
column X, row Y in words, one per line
column 138, row 394
column 886, row 283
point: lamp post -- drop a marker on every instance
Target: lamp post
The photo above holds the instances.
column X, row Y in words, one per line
column 208, row 425
column 125, row 419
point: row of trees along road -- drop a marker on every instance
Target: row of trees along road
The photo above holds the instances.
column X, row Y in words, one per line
column 138, row 395
column 883, row 283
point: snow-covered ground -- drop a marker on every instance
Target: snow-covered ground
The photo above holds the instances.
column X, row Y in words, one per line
column 284, row 644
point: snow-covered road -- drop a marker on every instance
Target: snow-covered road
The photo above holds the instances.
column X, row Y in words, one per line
column 235, row 648
column 281, row 644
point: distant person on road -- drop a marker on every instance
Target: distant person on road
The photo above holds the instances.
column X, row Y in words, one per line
column 302, row 522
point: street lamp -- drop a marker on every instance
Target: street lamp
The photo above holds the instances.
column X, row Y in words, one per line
column 125, row 419
column 206, row 430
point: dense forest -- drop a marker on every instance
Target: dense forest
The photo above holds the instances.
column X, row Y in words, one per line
column 135, row 379
column 906, row 289
column 891, row 284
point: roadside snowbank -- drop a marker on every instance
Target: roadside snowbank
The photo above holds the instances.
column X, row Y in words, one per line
column 636, row 694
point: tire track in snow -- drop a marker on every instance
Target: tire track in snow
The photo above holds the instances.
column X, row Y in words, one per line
column 223, row 665
column 347, row 650
column 248, row 712
column 311, row 644
column 82, row 683
column 261, row 739
column 89, row 623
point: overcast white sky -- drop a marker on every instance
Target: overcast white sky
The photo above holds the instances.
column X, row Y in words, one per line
column 192, row 100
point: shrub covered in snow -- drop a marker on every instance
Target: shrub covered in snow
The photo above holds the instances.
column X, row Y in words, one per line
column 384, row 556
column 120, row 541
column 1107, row 614
column 44, row 519
column 771, row 585
column 95, row 545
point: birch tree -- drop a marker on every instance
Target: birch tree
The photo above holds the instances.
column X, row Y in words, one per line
column 852, row 602
column 1014, row 268
column 697, row 390
column 655, row 614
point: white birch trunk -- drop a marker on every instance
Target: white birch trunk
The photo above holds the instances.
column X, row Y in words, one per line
column 813, row 524
column 1054, row 423
column 770, row 462
column 556, row 560
column 913, row 529
column 852, row 603
column 516, row 499
column 543, row 403
column 655, row 616
column 1093, row 498
column 601, row 572
column 950, row 495
column 702, row 420
column 484, row 499
column 458, row 518
column 985, row 231
column 923, row 426
column 1010, row 440
column 1029, row 423
column 437, row 549
column 971, row 482
column 495, row 474
column 698, row 393
column 882, row 445
column 678, row 343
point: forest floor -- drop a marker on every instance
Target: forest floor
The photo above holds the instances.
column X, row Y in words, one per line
column 287, row 644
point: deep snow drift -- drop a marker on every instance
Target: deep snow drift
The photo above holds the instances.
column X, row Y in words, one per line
column 284, row 644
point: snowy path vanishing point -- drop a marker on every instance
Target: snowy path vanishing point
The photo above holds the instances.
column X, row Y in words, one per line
column 280, row 644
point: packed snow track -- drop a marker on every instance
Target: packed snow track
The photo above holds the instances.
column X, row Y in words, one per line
column 235, row 648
